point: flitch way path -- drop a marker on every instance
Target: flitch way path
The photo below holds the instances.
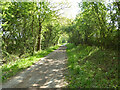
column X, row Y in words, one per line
column 46, row 73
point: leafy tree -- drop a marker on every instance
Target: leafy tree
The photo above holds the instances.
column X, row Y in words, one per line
column 28, row 26
column 96, row 25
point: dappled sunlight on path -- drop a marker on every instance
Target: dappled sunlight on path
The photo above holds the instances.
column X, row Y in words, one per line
column 47, row 73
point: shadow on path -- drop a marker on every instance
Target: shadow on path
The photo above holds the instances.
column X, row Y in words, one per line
column 46, row 73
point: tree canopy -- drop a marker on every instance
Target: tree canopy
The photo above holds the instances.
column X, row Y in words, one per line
column 29, row 26
column 96, row 24
column 33, row 26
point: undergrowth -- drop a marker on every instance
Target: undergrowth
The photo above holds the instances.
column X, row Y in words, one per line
column 91, row 67
column 13, row 67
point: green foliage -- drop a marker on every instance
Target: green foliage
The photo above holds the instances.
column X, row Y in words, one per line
column 50, row 34
column 96, row 24
column 31, row 26
column 28, row 27
column 16, row 26
column 91, row 67
column 13, row 67
column 63, row 38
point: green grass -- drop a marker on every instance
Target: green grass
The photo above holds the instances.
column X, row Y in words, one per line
column 13, row 67
column 91, row 67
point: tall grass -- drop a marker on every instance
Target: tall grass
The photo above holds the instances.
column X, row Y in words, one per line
column 91, row 67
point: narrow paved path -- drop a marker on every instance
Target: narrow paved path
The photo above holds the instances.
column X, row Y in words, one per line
column 47, row 73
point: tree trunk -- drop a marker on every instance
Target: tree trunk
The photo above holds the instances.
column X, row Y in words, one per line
column 39, row 37
column 33, row 47
column 86, row 37
column 118, row 20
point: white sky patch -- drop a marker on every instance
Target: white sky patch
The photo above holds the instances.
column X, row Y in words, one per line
column 75, row 9
column 72, row 11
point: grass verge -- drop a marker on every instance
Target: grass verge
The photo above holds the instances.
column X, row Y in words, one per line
column 91, row 67
column 13, row 67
